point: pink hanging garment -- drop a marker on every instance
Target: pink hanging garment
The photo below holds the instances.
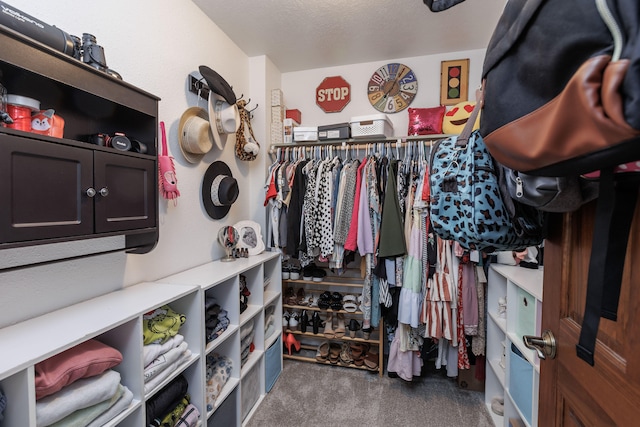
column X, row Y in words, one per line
column 167, row 180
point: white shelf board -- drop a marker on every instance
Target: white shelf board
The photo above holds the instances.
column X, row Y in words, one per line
column 215, row 272
column 39, row 338
column 500, row 373
column 254, row 357
column 500, row 321
column 526, row 278
column 212, row 345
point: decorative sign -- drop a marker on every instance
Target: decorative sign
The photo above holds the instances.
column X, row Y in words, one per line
column 333, row 94
column 454, row 81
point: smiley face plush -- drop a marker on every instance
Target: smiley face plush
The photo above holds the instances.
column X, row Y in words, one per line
column 458, row 116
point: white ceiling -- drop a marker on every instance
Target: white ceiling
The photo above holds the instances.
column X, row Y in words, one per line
column 307, row 34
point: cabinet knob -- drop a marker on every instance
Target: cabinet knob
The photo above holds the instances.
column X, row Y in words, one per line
column 545, row 345
column 104, row 191
column 91, row 192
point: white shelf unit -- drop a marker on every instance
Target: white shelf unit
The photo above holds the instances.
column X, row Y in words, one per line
column 114, row 319
column 246, row 387
column 514, row 378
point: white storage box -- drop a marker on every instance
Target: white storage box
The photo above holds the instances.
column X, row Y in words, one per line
column 305, row 133
column 373, row 126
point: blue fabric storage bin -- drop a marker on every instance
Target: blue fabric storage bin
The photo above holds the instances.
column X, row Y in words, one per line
column 521, row 382
column 273, row 365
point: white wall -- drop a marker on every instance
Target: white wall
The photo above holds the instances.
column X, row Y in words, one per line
column 300, row 87
column 153, row 44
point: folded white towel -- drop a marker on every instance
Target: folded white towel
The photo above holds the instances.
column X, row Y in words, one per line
column 80, row 394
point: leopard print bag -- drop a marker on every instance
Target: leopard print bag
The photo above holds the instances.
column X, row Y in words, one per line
column 467, row 204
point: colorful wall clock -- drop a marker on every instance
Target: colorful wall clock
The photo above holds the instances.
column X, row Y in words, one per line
column 392, row 88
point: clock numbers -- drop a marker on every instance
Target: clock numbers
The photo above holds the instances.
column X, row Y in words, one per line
column 392, row 88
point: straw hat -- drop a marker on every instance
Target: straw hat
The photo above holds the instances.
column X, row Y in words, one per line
column 224, row 119
column 194, row 134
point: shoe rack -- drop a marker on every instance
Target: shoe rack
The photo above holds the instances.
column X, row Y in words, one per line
column 355, row 349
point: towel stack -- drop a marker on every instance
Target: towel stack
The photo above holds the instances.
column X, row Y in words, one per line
column 78, row 387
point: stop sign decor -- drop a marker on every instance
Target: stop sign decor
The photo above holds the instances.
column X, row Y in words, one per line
column 333, row 94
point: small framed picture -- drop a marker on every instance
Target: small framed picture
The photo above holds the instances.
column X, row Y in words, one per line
column 250, row 237
column 454, row 81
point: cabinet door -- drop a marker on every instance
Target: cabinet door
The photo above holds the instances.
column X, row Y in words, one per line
column 43, row 190
column 126, row 192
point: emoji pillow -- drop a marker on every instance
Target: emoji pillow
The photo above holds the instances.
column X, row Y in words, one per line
column 455, row 119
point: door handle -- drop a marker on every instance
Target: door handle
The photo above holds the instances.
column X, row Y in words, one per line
column 545, row 345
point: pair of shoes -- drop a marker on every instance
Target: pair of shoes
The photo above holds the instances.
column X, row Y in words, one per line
column 345, row 354
column 349, row 303
column 354, row 326
column 290, row 296
column 318, row 274
column 334, row 352
column 322, row 353
column 290, row 320
column 289, row 341
column 358, row 352
column 497, row 405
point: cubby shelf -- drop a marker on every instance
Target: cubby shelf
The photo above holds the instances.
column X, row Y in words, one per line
column 513, row 376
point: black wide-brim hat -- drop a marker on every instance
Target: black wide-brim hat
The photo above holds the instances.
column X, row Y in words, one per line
column 219, row 190
column 218, row 84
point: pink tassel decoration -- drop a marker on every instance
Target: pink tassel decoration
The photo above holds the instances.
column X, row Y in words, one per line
column 167, row 180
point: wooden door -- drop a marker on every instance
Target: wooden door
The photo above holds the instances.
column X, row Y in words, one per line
column 573, row 393
column 130, row 199
column 43, row 190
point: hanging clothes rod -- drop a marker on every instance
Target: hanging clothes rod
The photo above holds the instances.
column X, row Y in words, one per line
column 345, row 145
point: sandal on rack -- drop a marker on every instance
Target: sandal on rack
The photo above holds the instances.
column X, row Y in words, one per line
column 336, row 301
column 339, row 330
column 300, row 297
column 358, row 351
column 322, row 353
column 328, row 327
column 290, row 296
column 334, row 352
column 350, row 303
column 371, row 361
column 345, row 354
column 324, row 301
column 354, row 326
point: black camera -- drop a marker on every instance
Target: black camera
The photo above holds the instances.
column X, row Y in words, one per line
column 118, row 140
column 93, row 54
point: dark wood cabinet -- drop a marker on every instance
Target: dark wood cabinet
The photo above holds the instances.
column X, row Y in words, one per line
column 62, row 189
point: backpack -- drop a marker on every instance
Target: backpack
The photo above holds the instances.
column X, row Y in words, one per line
column 561, row 99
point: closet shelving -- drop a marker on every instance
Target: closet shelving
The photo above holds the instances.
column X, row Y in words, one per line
column 509, row 375
column 310, row 341
column 247, row 385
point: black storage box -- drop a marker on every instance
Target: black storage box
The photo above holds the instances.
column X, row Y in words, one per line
column 337, row 131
